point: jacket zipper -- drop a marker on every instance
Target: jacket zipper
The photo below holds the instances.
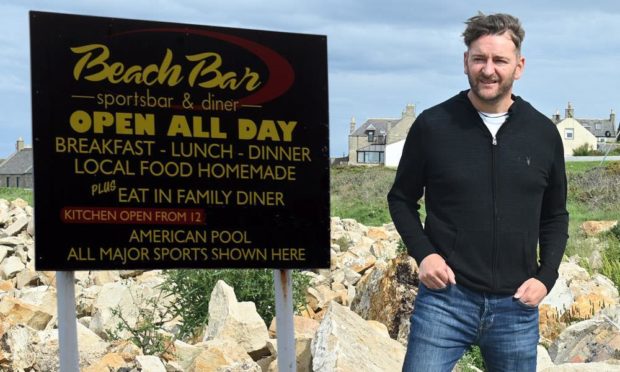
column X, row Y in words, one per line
column 494, row 222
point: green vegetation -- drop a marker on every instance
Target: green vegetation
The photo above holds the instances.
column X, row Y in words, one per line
column 145, row 333
column 360, row 193
column 585, row 150
column 12, row 193
column 193, row 288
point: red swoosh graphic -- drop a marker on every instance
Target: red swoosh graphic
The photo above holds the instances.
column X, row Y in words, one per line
column 281, row 73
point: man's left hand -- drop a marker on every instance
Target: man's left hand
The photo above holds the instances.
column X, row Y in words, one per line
column 531, row 292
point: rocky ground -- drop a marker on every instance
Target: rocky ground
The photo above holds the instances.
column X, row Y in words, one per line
column 357, row 318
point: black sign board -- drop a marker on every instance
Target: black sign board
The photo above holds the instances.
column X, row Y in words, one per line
column 160, row 145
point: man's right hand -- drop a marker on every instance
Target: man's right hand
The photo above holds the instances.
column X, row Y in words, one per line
column 435, row 273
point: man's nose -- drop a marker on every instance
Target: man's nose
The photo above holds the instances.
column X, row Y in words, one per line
column 488, row 68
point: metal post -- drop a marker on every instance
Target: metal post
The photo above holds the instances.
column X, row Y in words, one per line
column 283, row 284
column 67, row 322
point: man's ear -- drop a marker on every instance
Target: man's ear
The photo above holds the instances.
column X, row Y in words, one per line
column 520, row 67
column 465, row 55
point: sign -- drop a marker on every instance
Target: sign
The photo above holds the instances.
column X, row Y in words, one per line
column 160, row 145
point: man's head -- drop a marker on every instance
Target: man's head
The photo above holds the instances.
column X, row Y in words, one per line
column 493, row 60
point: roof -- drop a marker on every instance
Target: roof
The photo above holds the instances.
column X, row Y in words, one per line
column 18, row 163
column 605, row 126
column 378, row 125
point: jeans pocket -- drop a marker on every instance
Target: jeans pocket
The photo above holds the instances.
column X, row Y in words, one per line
column 438, row 290
column 524, row 305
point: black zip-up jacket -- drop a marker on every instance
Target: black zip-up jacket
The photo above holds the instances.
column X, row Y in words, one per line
column 488, row 201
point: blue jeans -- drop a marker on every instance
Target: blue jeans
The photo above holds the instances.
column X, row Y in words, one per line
column 446, row 322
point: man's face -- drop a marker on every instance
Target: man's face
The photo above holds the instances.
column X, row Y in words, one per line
column 492, row 64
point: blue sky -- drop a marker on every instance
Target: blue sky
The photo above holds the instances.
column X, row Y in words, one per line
column 382, row 54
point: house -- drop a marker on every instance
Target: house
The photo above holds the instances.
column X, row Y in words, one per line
column 16, row 170
column 379, row 141
column 576, row 132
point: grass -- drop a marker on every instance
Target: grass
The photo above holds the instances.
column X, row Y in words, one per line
column 12, row 193
column 360, row 193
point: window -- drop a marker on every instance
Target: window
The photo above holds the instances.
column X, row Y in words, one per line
column 598, row 126
column 569, row 133
column 16, row 181
column 370, row 157
column 8, row 182
column 371, row 136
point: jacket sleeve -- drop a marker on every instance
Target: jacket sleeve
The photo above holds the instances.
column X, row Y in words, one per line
column 553, row 220
column 408, row 188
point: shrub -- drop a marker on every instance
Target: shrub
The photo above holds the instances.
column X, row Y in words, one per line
column 585, row 150
column 192, row 290
column 472, row 358
column 145, row 333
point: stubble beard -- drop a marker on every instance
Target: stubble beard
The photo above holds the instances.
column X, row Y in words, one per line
column 503, row 90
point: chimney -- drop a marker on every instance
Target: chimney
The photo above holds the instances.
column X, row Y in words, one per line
column 19, row 146
column 352, row 125
column 555, row 118
column 570, row 111
column 612, row 118
column 409, row 110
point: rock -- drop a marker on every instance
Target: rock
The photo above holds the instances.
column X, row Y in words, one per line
column 304, row 327
column 303, row 356
column 576, row 296
column 17, row 226
column 91, row 347
column 104, row 277
column 185, row 353
column 150, row 363
column 593, row 228
column 18, row 203
column 234, row 320
column 592, row 340
column 19, row 341
column 109, row 362
column 386, row 295
column 345, row 342
column 223, row 355
column 358, row 259
column 26, row 278
column 4, row 251
column 42, row 297
column 15, row 311
column 543, row 360
column 318, row 297
column 377, row 233
column 11, row 266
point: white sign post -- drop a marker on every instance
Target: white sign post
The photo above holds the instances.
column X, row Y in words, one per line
column 67, row 322
column 283, row 283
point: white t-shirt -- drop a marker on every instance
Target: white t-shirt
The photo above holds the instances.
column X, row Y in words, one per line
column 493, row 121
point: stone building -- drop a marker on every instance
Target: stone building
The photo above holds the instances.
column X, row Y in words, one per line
column 379, row 141
column 16, row 170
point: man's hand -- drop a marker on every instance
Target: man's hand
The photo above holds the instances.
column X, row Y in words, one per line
column 435, row 273
column 531, row 292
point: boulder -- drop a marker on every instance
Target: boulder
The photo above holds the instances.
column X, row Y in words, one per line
column 594, row 228
column 223, row 355
column 109, row 362
column 238, row 321
column 11, row 266
column 346, row 342
column 17, row 312
column 18, row 225
column 592, row 340
column 303, row 356
column 386, row 295
column 184, row 353
column 304, row 327
column 150, row 363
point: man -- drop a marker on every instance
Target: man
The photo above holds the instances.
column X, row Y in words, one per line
column 491, row 169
